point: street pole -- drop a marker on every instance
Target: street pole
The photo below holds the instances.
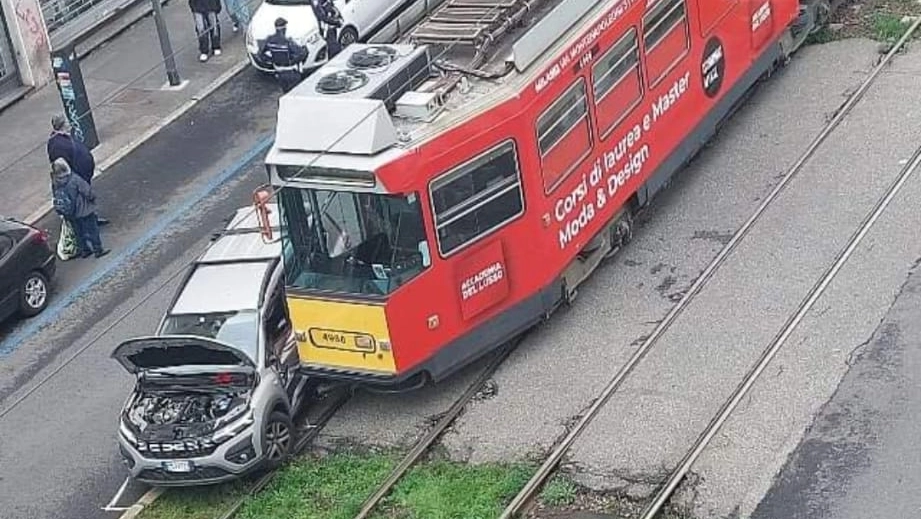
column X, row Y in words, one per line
column 168, row 60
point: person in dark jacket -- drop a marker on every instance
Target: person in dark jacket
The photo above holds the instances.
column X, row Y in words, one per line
column 62, row 145
column 75, row 201
column 330, row 21
column 286, row 56
column 207, row 27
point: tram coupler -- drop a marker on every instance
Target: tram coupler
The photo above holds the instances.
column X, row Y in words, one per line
column 813, row 16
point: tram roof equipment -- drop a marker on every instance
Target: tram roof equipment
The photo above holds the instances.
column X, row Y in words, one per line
column 376, row 99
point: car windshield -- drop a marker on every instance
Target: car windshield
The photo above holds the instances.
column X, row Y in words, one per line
column 237, row 329
column 348, row 242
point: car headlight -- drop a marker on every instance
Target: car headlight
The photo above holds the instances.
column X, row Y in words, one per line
column 237, row 419
column 250, row 40
column 126, row 433
column 310, row 39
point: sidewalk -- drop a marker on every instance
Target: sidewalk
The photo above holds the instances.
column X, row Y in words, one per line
column 125, row 81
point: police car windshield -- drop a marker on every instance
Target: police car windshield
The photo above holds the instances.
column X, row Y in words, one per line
column 356, row 243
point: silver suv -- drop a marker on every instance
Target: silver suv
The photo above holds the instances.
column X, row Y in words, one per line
column 217, row 385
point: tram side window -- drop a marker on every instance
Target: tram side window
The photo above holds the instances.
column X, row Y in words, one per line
column 617, row 83
column 477, row 198
column 563, row 135
column 665, row 35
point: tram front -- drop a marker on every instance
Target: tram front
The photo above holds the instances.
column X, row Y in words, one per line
column 347, row 246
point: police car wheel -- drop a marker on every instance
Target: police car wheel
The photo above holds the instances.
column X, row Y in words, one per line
column 348, row 36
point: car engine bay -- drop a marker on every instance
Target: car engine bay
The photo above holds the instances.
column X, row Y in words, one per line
column 163, row 416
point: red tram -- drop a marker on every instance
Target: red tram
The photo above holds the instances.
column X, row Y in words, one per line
column 441, row 194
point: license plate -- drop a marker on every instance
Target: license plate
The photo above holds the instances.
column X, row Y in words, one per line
column 177, row 466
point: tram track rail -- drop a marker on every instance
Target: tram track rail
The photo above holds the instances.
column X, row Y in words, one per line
column 409, row 460
column 527, row 496
column 338, row 399
column 780, row 339
column 426, row 442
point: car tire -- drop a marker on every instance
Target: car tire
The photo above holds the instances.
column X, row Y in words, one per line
column 33, row 294
column 348, row 36
column 277, row 439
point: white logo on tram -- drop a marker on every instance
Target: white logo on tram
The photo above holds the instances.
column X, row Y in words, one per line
column 761, row 15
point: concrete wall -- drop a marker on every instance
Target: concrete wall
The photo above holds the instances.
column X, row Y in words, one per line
column 31, row 44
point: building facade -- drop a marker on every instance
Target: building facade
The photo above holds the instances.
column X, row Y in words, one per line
column 25, row 46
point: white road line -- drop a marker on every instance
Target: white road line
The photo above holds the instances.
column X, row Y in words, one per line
column 132, row 511
column 117, row 497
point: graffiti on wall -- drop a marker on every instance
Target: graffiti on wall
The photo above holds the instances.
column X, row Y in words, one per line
column 29, row 16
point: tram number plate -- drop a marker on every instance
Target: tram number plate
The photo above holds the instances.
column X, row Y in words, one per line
column 177, row 466
column 341, row 340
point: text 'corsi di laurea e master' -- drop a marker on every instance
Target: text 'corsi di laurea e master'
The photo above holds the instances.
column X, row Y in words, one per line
column 613, row 169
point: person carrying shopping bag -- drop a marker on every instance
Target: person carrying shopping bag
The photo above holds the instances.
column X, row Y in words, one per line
column 75, row 201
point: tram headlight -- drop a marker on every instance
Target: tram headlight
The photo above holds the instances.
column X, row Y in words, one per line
column 363, row 342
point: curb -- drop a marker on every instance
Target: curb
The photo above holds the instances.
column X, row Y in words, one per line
column 146, row 500
column 119, row 154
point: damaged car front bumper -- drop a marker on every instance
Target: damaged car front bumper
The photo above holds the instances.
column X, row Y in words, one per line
column 194, row 461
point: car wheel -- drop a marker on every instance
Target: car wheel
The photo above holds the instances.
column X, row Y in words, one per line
column 277, row 439
column 348, row 36
column 33, row 294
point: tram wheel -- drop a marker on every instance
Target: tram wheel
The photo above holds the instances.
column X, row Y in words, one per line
column 822, row 13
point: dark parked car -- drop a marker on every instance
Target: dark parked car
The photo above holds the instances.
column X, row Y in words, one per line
column 27, row 264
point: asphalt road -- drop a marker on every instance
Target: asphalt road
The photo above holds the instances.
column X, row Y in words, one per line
column 58, row 455
column 861, row 457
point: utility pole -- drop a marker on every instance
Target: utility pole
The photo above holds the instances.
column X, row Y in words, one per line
column 172, row 75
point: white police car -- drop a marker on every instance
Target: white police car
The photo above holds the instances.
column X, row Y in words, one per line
column 361, row 18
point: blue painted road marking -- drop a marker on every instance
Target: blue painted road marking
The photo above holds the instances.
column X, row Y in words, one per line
column 15, row 341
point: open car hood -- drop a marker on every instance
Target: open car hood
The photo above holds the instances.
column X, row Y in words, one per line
column 167, row 351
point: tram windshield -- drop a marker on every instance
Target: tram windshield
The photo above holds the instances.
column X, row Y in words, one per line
column 356, row 243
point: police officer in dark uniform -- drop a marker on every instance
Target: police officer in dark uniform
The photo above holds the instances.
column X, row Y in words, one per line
column 330, row 22
column 286, row 56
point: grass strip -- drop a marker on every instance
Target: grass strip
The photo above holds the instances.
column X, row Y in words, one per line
column 335, row 486
column 192, row 503
column 445, row 490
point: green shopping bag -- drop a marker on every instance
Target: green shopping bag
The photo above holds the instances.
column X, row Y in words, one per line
column 67, row 244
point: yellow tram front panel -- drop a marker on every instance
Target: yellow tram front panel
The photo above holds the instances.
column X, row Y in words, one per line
column 342, row 335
